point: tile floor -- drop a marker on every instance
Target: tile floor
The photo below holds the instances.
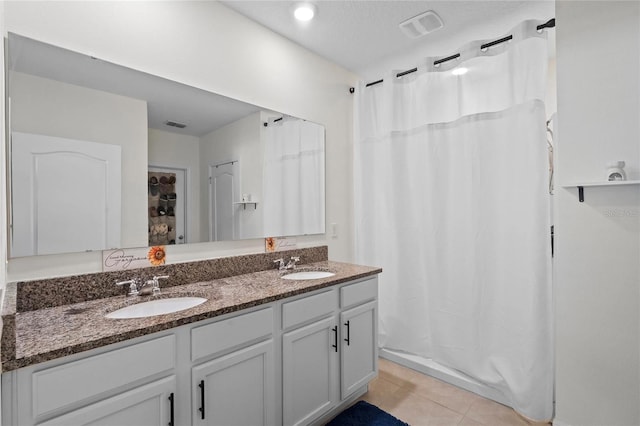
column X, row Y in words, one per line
column 421, row 400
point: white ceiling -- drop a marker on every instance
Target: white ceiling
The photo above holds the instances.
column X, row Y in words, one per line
column 360, row 35
column 363, row 35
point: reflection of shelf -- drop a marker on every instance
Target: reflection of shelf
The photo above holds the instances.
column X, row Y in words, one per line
column 582, row 185
column 244, row 204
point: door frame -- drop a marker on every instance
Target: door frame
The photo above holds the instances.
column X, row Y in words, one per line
column 188, row 208
column 236, row 196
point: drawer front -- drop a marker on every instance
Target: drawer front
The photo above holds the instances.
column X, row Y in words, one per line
column 360, row 292
column 226, row 334
column 67, row 384
column 309, row 308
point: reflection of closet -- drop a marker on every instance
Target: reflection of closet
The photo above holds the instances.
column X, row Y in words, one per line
column 162, row 206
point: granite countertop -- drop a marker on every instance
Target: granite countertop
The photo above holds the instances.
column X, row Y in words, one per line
column 50, row 333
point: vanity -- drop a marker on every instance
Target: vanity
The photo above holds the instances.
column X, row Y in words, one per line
column 261, row 350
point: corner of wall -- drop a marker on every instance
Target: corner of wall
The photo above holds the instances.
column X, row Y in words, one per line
column 3, row 178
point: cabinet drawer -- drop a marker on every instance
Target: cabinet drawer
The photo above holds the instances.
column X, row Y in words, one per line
column 308, row 308
column 144, row 405
column 359, row 292
column 226, row 334
column 64, row 385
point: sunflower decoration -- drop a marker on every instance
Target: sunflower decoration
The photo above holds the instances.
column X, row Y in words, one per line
column 157, row 255
column 270, row 244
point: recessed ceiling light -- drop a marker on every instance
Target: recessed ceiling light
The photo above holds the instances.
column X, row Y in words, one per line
column 304, row 11
column 460, row 71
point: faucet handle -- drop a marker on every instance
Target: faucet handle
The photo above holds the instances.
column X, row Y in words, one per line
column 156, row 283
column 280, row 263
column 292, row 262
column 133, row 286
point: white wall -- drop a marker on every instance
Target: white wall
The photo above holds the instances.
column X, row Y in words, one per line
column 48, row 107
column 238, row 141
column 216, row 49
column 597, row 275
column 3, row 184
column 551, row 101
column 168, row 149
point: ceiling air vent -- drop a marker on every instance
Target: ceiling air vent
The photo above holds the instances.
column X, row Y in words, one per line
column 175, row 124
column 422, row 24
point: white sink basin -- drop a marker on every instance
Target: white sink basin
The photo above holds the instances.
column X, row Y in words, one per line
column 156, row 307
column 308, row 275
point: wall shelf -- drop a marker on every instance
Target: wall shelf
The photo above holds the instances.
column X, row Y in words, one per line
column 244, row 204
column 582, row 185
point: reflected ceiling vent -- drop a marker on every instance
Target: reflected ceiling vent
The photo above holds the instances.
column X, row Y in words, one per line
column 175, row 124
column 422, row 24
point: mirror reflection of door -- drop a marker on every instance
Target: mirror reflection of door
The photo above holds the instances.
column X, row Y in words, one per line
column 223, row 190
column 168, row 198
column 66, row 195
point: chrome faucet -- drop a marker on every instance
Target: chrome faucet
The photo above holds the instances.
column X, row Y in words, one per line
column 156, row 283
column 280, row 263
column 152, row 286
column 292, row 262
column 133, row 286
column 289, row 265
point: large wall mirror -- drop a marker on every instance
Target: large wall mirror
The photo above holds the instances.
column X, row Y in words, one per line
column 102, row 156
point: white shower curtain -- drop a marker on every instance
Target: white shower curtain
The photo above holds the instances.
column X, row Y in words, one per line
column 451, row 199
column 293, row 178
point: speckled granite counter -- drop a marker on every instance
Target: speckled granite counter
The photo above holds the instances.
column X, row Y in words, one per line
column 52, row 332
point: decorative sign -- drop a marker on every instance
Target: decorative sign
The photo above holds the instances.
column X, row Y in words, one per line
column 272, row 244
column 123, row 259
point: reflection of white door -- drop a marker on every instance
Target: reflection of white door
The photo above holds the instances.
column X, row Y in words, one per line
column 181, row 207
column 65, row 195
column 222, row 193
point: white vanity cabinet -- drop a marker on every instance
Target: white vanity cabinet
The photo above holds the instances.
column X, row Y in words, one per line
column 290, row 361
column 148, row 405
column 132, row 385
column 234, row 389
column 329, row 352
column 310, row 358
column 359, row 322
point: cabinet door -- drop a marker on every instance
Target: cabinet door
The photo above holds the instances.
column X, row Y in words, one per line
column 148, row 405
column 235, row 389
column 359, row 359
column 310, row 371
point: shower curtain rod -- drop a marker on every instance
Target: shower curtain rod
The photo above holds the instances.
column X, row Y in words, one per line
column 275, row 121
column 224, row 164
column 551, row 23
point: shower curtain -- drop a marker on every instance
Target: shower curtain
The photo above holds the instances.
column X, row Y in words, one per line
column 293, row 177
column 451, row 200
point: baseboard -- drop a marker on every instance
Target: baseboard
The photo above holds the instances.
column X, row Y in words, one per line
column 560, row 423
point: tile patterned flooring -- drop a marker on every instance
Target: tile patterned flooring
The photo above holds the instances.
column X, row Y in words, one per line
column 422, row 400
